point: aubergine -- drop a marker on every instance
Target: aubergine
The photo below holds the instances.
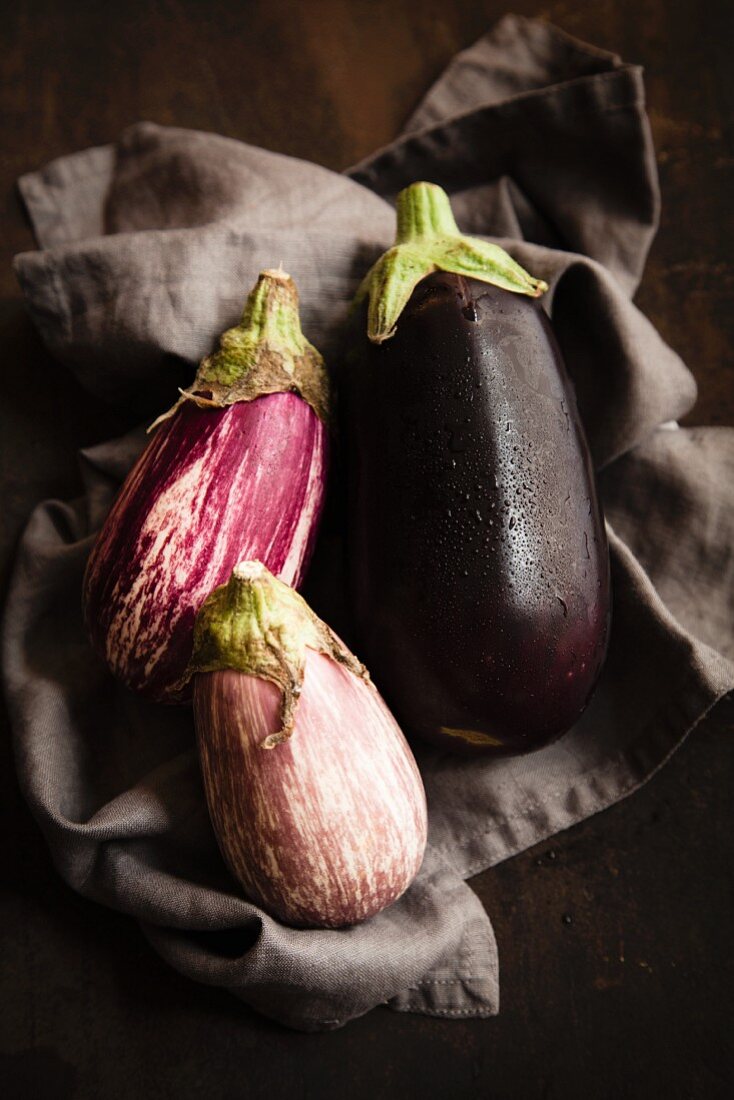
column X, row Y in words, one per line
column 478, row 561
column 237, row 468
column 314, row 795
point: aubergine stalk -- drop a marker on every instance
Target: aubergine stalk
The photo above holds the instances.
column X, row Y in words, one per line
column 237, row 469
column 479, row 567
column 314, row 795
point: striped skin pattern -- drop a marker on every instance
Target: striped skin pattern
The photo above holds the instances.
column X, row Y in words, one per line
column 327, row 828
column 214, row 487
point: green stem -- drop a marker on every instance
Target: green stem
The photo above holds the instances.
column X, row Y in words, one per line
column 424, row 211
column 258, row 625
column 270, row 321
column 265, row 353
column 428, row 240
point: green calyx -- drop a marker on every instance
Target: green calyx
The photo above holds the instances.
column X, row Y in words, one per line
column 258, row 625
column 266, row 353
column 428, row 239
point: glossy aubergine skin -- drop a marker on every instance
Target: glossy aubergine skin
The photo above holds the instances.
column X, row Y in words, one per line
column 213, row 487
column 479, row 566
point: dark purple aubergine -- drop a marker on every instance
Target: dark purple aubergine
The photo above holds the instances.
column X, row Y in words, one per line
column 479, row 566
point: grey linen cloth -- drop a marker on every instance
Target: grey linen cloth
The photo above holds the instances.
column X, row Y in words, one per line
column 147, row 250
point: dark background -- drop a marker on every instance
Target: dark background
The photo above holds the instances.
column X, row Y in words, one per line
column 631, row 996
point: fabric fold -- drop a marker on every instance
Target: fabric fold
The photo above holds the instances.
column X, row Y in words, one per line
column 114, row 784
column 564, row 121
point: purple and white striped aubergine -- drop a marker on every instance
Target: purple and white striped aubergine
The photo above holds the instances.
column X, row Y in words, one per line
column 237, row 469
column 315, row 798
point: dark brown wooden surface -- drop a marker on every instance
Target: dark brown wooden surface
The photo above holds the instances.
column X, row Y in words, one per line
column 632, row 996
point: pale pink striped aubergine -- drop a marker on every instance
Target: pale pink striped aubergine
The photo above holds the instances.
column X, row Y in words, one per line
column 236, row 470
column 314, row 795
